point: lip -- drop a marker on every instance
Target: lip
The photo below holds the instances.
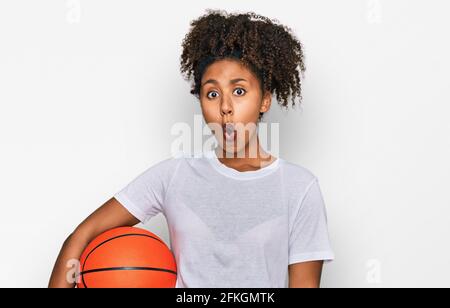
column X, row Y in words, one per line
column 227, row 139
column 224, row 125
column 224, row 130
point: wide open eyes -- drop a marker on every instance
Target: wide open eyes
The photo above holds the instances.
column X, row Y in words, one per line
column 215, row 94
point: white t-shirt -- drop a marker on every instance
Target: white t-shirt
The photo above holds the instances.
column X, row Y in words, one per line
column 229, row 228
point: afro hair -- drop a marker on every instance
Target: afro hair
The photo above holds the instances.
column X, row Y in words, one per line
column 270, row 50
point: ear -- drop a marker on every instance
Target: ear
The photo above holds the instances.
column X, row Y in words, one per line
column 266, row 102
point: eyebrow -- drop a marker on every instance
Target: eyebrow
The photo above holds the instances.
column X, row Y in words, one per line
column 232, row 81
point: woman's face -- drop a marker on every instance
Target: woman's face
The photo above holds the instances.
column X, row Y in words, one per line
column 231, row 93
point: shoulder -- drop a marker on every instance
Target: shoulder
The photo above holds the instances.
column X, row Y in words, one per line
column 301, row 182
column 191, row 155
column 297, row 173
column 163, row 168
column 192, row 158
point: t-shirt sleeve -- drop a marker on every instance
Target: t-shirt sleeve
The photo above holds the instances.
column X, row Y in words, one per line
column 144, row 196
column 309, row 238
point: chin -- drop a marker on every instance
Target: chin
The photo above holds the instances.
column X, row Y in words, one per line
column 231, row 149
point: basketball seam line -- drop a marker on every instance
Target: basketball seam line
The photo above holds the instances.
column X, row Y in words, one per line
column 127, row 268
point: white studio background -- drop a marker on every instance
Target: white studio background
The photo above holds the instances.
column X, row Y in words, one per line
column 89, row 91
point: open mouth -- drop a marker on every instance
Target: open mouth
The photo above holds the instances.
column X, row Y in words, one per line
column 229, row 132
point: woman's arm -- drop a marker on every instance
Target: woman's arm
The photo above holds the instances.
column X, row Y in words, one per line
column 110, row 215
column 305, row 275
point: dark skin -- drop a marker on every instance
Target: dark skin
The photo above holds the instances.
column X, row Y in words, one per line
column 110, row 215
column 233, row 106
column 231, row 93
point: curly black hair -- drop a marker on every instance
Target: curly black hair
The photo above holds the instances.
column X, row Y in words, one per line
column 268, row 49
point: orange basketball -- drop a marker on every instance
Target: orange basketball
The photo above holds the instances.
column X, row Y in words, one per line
column 127, row 257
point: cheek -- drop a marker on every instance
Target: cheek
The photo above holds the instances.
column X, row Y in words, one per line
column 211, row 116
column 248, row 108
column 209, row 110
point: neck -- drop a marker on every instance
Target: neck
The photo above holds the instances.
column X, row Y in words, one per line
column 245, row 159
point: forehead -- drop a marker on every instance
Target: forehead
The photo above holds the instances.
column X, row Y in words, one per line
column 226, row 69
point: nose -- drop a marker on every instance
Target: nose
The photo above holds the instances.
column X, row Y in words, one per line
column 226, row 107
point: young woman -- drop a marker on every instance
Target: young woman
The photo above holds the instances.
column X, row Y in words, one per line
column 237, row 216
